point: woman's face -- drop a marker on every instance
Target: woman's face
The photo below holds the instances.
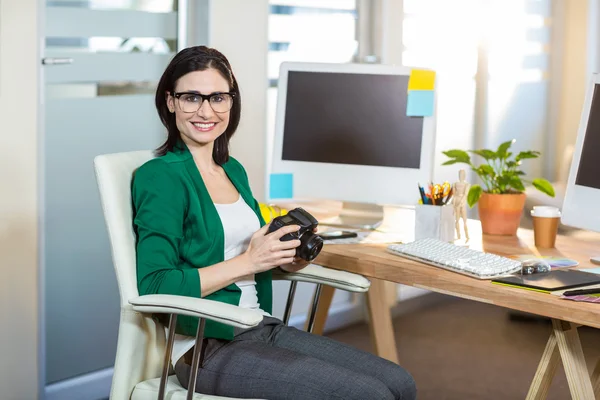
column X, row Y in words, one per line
column 204, row 126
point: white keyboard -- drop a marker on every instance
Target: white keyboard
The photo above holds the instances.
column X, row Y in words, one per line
column 456, row 258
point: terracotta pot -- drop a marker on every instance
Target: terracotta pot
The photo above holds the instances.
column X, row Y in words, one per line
column 500, row 214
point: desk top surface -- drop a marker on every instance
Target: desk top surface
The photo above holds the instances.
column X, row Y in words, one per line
column 375, row 262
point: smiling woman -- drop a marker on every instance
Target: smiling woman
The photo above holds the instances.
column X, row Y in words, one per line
column 198, row 100
column 200, row 233
column 194, row 115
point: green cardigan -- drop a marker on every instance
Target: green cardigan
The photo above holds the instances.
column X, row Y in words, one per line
column 179, row 230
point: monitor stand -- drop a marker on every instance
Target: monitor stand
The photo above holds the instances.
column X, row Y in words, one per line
column 357, row 216
column 372, row 217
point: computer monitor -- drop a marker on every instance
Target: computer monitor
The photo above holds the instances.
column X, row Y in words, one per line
column 343, row 133
column 582, row 198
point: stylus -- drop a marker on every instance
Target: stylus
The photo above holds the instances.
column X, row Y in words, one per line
column 582, row 291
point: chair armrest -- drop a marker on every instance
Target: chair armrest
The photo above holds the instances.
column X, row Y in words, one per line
column 201, row 308
column 326, row 276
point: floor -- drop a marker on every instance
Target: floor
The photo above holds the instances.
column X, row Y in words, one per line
column 460, row 349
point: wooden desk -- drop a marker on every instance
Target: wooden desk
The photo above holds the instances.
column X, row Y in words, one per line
column 375, row 263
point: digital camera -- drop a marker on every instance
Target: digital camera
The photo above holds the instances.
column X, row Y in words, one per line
column 310, row 243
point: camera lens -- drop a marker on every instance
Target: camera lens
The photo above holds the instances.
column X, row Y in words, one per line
column 310, row 246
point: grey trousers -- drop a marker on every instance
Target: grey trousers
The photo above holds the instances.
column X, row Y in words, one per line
column 273, row 361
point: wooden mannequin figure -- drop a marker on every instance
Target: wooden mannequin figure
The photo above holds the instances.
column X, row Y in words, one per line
column 459, row 202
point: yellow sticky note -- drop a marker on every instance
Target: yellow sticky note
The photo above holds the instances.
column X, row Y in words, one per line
column 421, row 79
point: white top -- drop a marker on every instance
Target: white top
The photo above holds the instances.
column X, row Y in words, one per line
column 239, row 224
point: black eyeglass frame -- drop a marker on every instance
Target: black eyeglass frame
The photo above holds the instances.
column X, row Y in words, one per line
column 205, row 97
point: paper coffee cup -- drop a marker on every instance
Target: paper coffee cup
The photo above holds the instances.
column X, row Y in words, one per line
column 545, row 225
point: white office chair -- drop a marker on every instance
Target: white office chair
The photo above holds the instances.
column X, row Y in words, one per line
column 142, row 349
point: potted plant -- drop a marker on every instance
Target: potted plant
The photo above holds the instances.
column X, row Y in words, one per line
column 502, row 198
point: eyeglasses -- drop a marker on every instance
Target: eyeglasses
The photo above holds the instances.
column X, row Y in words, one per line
column 190, row 102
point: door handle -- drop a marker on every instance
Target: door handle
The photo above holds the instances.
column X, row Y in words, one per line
column 57, row 61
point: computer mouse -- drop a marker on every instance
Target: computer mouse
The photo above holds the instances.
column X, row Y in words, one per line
column 535, row 266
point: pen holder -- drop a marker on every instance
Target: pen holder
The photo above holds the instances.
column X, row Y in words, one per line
column 434, row 222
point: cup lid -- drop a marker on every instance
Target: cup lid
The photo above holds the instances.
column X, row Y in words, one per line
column 545, row 211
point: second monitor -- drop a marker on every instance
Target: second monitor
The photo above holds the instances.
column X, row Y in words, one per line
column 342, row 133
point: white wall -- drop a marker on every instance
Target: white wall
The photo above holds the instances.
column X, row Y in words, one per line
column 19, row 312
column 238, row 29
column 574, row 75
column 593, row 42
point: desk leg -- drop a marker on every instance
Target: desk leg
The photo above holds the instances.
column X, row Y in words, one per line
column 564, row 342
column 325, row 299
column 380, row 321
column 596, row 380
column 573, row 359
column 545, row 372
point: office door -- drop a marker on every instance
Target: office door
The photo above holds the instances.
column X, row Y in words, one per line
column 102, row 60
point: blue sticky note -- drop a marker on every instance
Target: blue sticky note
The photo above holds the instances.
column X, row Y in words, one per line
column 281, row 186
column 420, row 103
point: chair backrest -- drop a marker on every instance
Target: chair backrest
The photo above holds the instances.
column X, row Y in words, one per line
column 114, row 173
column 141, row 342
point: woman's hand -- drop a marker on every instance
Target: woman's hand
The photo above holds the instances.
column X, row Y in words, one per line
column 266, row 251
column 295, row 265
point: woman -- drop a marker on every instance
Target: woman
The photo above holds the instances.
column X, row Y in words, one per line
column 200, row 234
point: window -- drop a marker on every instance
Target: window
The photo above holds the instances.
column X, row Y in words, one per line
column 499, row 47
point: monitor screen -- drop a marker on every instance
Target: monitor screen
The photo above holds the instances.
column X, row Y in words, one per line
column 587, row 173
column 350, row 118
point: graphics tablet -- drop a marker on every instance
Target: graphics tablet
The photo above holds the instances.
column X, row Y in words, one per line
column 553, row 280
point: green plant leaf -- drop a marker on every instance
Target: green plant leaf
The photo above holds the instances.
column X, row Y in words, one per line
column 474, row 195
column 516, row 183
column 450, row 162
column 503, row 148
column 527, row 154
column 503, row 181
column 485, row 153
column 544, row 186
column 459, row 155
column 520, row 173
column 485, row 170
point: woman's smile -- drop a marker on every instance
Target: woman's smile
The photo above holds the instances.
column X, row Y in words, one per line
column 204, row 126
